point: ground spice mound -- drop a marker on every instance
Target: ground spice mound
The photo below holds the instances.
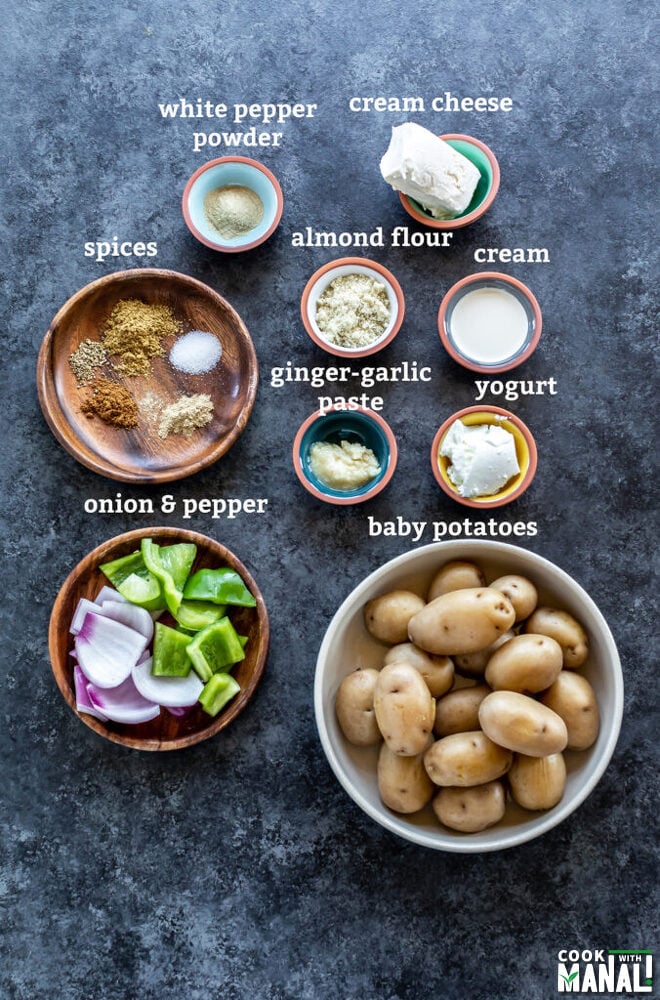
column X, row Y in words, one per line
column 186, row 415
column 84, row 361
column 112, row 402
column 134, row 334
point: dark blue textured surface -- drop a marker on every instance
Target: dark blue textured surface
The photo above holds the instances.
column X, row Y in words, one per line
column 239, row 869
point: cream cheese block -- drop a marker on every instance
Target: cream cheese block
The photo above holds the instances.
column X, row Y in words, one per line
column 429, row 170
column 483, row 458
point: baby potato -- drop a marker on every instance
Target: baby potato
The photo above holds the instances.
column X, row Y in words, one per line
column 538, row 782
column 474, row 664
column 470, row 810
column 565, row 630
column 403, row 782
column 456, row 575
column 387, row 616
column 526, row 663
column 520, row 723
column 462, row 621
column 437, row 671
column 404, row 709
column 572, row 698
column 355, row 708
column 466, row 759
column 458, row 711
column 521, row 592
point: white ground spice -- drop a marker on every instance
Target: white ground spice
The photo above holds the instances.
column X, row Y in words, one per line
column 344, row 466
column 186, row 415
column 353, row 311
column 233, row 210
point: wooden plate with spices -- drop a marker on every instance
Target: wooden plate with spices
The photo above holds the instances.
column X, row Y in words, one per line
column 165, row 732
column 126, row 411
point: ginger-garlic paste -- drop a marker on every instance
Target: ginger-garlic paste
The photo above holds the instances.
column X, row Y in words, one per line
column 344, row 466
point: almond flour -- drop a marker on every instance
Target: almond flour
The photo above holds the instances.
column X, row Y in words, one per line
column 353, row 311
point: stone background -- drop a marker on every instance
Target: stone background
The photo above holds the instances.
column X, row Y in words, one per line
column 239, row 869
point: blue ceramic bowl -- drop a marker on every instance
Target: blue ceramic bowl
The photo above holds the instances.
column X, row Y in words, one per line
column 232, row 170
column 360, row 426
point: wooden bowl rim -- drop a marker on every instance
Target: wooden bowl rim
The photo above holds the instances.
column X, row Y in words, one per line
column 90, row 562
column 56, row 419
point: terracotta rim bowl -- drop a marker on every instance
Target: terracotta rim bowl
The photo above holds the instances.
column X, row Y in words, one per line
column 165, row 732
column 363, row 425
column 221, row 172
column 525, row 452
column 320, row 280
column 491, row 279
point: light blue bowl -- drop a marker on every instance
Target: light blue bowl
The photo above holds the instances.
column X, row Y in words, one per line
column 232, row 170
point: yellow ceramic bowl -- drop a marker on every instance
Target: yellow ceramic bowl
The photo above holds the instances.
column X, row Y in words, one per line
column 525, row 453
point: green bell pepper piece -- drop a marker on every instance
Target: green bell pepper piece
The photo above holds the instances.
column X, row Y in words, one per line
column 196, row 615
column 221, row 586
column 220, row 689
column 135, row 582
column 215, row 648
column 170, row 653
column 178, row 560
column 171, row 592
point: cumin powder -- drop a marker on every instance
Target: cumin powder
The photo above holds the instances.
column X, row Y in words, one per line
column 112, row 402
column 134, row 334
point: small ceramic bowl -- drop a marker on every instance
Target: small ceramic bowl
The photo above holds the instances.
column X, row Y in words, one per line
column 320, row 280
column 484, row 160
column 164, row 732
column 347, row 645
column 361, row 426
column 525, row 453
column 232, row 170
column 508, row 358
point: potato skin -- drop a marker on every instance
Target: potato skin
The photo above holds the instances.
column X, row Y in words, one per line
column 474, row 664
column 403, row 782
column 455, row 575
column 537, row 782
column 573, row 699
column 458, row 711
column 437, row 671
column 520, row 723
column 355, row 708
column 404, row 709
column 521, row 592
column 565, row 630
column 386, row 617
column 470, row 810
column 463, row 621
column 466, row 759
column 525, row 663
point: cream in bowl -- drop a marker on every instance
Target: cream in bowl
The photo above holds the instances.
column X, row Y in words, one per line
column 489, row 322
column 352, row 307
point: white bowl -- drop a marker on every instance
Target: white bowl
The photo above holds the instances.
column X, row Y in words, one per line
column 347, row 645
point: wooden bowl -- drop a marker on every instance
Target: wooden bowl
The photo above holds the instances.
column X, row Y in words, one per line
column 140, row 455
column 165, row 732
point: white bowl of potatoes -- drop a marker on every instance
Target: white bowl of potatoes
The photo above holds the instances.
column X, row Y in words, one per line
column 464, row 716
